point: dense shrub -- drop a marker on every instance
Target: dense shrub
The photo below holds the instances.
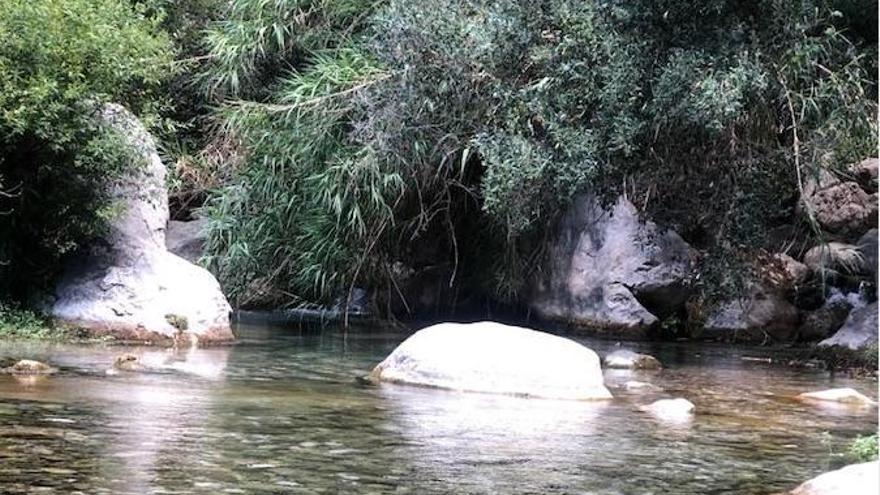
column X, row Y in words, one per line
column 471, row 123
column 59, row 61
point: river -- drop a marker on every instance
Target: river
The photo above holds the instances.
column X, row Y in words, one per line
column 283, row 411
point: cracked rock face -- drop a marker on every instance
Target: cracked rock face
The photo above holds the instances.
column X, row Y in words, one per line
column 608, row 270
column 128, row 285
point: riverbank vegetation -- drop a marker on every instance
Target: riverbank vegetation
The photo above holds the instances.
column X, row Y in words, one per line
column 377, row 140
column 345, row 144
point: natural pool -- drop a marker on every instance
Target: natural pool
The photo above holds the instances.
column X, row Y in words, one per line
column 283, row 412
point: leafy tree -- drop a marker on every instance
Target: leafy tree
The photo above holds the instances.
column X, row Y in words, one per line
column 59, row 61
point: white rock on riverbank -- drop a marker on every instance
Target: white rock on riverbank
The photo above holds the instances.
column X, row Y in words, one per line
column 855, row 479
column 493, row 358
column 128, row 285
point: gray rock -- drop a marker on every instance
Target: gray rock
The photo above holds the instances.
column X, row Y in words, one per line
column 493, row 358
column 859, row 330
column 637, row 386
column 823, row 322
column 608, row 270
column 836, row 257
column 624, row 359
column 855, row 479
column 128, row 285
column 763, row 315
column 186, row 239
column 839, row 207
column 868, row 249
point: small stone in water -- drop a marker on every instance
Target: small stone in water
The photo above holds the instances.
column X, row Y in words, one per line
column 29, row 367
column 636, row 385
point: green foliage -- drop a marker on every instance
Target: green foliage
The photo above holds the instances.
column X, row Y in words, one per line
column 303, row 186
column 256, row 40
column 864, row 449
column 18, row 323
column 59, row 61
column 455, row 132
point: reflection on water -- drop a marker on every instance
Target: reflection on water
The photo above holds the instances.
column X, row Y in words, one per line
column 285, row 414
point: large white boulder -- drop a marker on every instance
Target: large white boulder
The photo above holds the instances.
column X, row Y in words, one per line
column 494, row 358
column 855, row 479
column 128, row 285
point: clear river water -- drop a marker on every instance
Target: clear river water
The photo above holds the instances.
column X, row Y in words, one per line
column 283, row 412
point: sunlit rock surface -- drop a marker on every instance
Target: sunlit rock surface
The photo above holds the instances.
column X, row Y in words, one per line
column 494, row 358
column 675, row 410
column 128, row 285
column 840, row 395
column 855, row 479
column 611, row 271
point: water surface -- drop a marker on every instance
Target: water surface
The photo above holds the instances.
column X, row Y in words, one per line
column 283, row 412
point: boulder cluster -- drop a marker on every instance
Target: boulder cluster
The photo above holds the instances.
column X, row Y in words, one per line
column 611, row 271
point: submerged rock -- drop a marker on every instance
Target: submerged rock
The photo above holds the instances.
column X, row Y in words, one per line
column 855, row 479
column 637, row 386
column 128, row 282
column 624, row 359
column 858, row 331
column 842, row 395
column 670, row 409
column 609, row 270
column 490, row 357
column 29, row 367
column 127, row 362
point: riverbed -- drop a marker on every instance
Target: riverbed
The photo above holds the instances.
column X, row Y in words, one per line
column 284, row 411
